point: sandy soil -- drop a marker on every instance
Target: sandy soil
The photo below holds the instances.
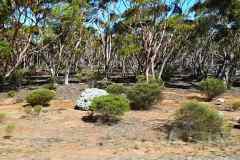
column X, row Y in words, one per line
column 60, row 134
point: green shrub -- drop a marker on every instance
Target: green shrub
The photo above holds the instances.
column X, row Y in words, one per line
column 50, row 86
column 197, row 121
column 116, row 89
column 212, row 87
column 168, row 72
column 28, row 109
column 103, row 84
column 17, row 76
column 37, row 109
column 143, row 95
column 87, row 75
column 110, row 106
column 40, row 97
column 142, row 79
column 235, row 105
column 11, row 93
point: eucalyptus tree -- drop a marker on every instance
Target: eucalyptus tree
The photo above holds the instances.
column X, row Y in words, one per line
column 61, row 36
column 219, row 22
column 20, row 23
column 103, row 16
column 152, row 21
column 71, row 17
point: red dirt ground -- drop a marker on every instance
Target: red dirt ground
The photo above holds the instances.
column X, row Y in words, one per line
column 58, row 133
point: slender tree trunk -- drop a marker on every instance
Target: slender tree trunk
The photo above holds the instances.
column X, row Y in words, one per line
column 20, row 58
column 53, row 75
column 147, row 73
column 153, row 66
column 162, row 68
column 66, row 76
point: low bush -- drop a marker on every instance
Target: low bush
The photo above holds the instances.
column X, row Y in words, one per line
column 116, row 89
column 40, row 97
column 168, row 72
column 197, row 121
column 50, row 86
column 212, row 87
column 235, row 106
column 11, row 93
column 103, row 84
column 17, row 77
column 28, row 110
column 87, row 75
column 143, row 95
column 142, row 79
column 110, row 106
column 37, row 109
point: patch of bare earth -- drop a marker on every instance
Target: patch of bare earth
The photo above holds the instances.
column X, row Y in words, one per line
column 60, row 134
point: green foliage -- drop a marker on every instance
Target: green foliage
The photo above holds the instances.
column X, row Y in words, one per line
column 103, row 84
column 128, row 45
column 50, row 86
column 40, row 97
column 87, row 75
column 5, row 50
column 177, row 23
column 48, row 35
column 2, row 117
column 110, row 106
column 28, row 109
column 230, row 8
column 5, row 10
column 142, row 79
column 168, row 73
column 116, row 89
column 11, row 93
column 212, row 87
column 143, row 95
column 17, row 76
column 37, row 109
column 197, row 121
column 235, row 106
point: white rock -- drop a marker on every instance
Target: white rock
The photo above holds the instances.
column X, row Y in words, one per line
column 220, row 100
column 86, row 97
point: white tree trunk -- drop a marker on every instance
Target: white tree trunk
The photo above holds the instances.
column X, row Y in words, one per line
column 66, row 77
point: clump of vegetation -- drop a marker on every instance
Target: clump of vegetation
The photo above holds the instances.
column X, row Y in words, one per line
column 17, row 77
column 197, row 121
column 142, row 79
column 235, row 106
column 103, row 84
column 50, row 86
column 143, row 95
column 87, row 75
column 168, row 72
column 11, row 94
column 110, row 106
column 33, row 110
column 212, row 87
column 28, row 109
column 2, row 117
column 40, row 97
column 37, row 109
column 9, row 131
column 116, row 89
